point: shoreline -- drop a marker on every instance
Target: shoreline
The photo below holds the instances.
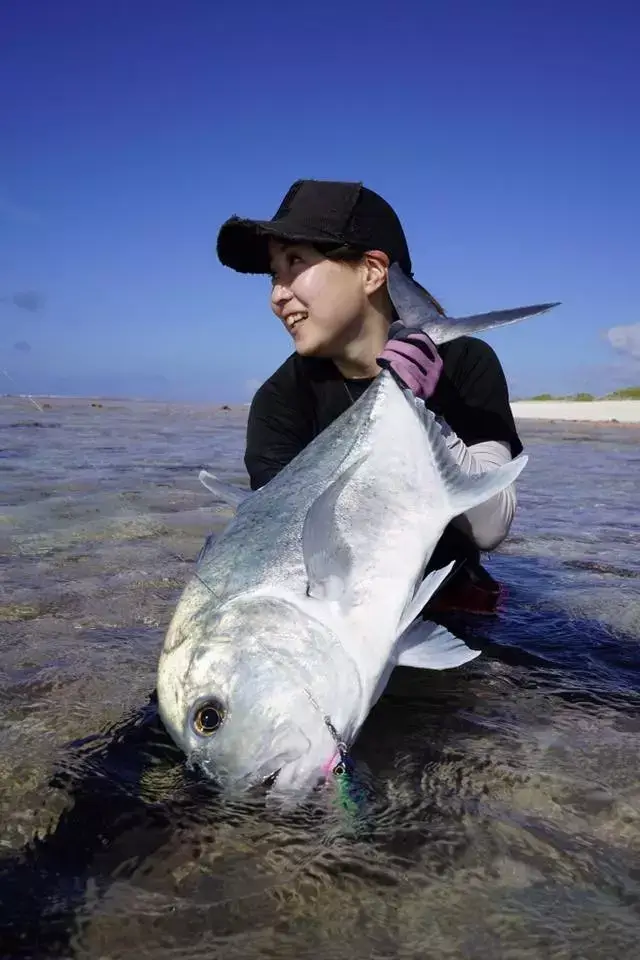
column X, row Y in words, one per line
column 623, row 412
column 612, row 412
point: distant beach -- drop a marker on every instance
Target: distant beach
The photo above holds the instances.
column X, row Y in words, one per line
column 583, row 411
column 595, row 411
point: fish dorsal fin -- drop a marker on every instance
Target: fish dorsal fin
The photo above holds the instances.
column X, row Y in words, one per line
column 462, row 490
column 327, row 557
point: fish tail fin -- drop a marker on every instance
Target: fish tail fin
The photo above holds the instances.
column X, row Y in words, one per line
column 417, row 309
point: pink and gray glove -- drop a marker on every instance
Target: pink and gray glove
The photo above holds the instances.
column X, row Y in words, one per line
column 413, row 358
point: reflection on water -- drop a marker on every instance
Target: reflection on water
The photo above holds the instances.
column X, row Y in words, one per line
column 496, row 810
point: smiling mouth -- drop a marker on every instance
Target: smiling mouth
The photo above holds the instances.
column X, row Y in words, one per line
column 294, row 321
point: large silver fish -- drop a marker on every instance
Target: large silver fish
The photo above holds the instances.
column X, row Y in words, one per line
column 299, row 611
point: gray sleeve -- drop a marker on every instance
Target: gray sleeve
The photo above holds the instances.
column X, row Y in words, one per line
column 488, row 524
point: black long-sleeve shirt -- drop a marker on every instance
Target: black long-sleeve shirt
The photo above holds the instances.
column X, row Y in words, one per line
column 306, row 394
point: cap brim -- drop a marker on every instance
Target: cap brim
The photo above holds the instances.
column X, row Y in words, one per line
column 243, row 244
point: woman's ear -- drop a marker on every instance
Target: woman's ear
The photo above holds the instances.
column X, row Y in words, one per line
column 376, row 265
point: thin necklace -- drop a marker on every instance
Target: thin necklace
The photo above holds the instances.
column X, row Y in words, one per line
column 346, row 386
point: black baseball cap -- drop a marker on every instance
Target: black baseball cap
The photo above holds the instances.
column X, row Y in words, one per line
column 329, row 214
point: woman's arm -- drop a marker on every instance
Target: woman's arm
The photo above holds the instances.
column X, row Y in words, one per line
column 464, row 384
column 488, row 523
column 472, row 401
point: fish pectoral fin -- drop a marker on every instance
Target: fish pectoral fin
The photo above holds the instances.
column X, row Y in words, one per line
column 227, row 492
column 327, row 557
column 428, row 646
column 423, row 594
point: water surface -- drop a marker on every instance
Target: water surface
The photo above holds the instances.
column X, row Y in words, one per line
column 502, row 810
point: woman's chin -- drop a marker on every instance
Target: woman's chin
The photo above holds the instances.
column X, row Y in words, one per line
column 309, row 346
column 306, row 350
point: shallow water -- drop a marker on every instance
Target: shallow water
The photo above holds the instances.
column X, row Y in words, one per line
column 501, row 815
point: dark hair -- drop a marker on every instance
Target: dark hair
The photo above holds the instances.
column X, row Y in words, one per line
column 350, row 254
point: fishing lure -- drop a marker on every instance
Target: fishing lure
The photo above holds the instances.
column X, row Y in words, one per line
column 348, row 792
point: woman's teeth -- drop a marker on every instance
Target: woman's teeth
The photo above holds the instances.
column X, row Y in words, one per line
column 295, row 318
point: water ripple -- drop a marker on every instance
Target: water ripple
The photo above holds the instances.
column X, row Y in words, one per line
column 495, row 810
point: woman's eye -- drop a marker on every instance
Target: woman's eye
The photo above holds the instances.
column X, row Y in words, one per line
column 293, row 260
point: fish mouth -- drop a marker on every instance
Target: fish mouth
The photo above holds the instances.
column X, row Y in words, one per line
column 270, row 780
column 263, row 776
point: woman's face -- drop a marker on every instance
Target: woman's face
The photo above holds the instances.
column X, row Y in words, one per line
column 321, row 302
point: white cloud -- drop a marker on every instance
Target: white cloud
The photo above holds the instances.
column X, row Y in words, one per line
column 625, row 339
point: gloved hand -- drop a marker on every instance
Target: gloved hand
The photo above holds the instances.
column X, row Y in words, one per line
column 414, row 359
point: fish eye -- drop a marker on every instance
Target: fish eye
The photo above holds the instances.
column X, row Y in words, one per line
column 208, row 718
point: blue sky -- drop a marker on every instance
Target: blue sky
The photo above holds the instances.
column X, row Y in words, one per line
column 505, row 134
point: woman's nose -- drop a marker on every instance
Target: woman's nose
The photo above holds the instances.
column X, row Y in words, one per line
column 280, row 295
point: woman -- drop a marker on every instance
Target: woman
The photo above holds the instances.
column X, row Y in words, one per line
column 328, row 250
